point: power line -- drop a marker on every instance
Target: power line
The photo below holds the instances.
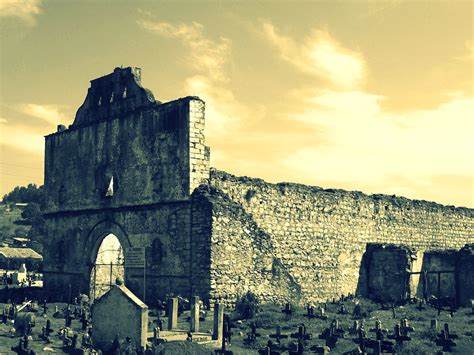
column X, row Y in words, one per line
column 23, row 176
column 21, row 166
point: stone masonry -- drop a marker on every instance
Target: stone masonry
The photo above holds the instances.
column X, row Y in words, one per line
column 138, row 168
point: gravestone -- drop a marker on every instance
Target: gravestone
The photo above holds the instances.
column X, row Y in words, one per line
column 172, row 313
column 194, row 322
column 119, row 313
column 218, row 331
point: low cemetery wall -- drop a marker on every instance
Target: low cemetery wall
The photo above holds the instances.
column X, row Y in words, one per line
column 320, row 235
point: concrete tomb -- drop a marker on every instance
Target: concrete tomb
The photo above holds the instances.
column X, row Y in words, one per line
column 119, row 313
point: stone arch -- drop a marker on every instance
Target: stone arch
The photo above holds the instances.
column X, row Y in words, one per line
column 95, row 238
column 100, row 231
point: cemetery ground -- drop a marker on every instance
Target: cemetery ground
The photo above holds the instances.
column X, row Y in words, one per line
column 423, row 338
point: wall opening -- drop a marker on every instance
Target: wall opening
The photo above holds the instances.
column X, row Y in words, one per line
column 108, row 266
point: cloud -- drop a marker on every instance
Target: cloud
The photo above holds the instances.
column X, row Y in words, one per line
column 25, row 10
column 30, row 138
column 207, row 56
column 209, row 59
column 320, row 56
column 48, row 113
column 23, row 138
column 367, row 147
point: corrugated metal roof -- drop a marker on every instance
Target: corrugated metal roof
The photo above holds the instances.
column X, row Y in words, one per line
column 19, row 253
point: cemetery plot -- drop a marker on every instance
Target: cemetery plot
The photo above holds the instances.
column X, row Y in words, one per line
column 43, row 327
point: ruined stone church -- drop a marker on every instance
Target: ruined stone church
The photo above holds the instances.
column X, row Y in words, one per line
column 138, row 169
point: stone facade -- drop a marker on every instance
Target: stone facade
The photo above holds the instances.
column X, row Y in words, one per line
column 138, row 168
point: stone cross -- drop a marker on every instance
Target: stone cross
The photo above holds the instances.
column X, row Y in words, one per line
column 253, row 335
column 421, row 304
column 405, row 328
column 342, row 310
column 278, row 336
column 172, row 313
column 357, row 312
column 288, row 309
column 45, row 307
column 301, row 334
column 194, row 323
column 322, row 314
column 222, row 350
column 226, row 332
column 218, row 331
column 445, row 340
column 310, row 312
column 270, row 349
column 355, row 328
column 398, row 336
column 296, row 348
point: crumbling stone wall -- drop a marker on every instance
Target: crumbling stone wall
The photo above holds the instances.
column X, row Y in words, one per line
column 153, row 151
column 320, row 235
column 130, row 165
column 242, row 256
column 127, row 165
column 465, row 275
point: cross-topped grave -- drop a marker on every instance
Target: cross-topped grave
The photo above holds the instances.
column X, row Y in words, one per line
column 357, row 311
column 405, row 327
column 332, row 334
column 301, row 334
column 278, row 336
column 270, row 349
column 322, row 313
column 342, row 310
column 252, row 335
column 445, row 341
column 288, row 310
column 355, row 328
column 398, row 336
column 310, row 312
column 223, row 350
column 296, row 348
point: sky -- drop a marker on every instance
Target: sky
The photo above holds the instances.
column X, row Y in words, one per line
column 373, row 96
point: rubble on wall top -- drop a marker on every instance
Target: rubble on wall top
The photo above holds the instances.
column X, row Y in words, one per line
column 398, row 201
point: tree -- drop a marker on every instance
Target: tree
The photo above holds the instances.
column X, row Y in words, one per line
column 31, row 212
column 28, row 194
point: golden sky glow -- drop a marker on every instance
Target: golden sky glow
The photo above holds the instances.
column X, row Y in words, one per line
column 374, row 96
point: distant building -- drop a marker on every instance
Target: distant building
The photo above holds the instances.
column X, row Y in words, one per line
column 21, row 205
column 13, row 258
column 21, row 242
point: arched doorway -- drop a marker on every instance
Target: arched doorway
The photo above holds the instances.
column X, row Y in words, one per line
column 107, row 267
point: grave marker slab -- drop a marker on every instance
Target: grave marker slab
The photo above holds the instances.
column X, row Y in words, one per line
column 172, row 313
column 194, row 323
column 218, row 330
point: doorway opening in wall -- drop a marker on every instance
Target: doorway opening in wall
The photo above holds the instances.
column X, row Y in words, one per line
column 108, row 266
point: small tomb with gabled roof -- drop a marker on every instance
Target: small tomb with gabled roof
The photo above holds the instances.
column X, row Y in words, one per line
column 119, row 313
